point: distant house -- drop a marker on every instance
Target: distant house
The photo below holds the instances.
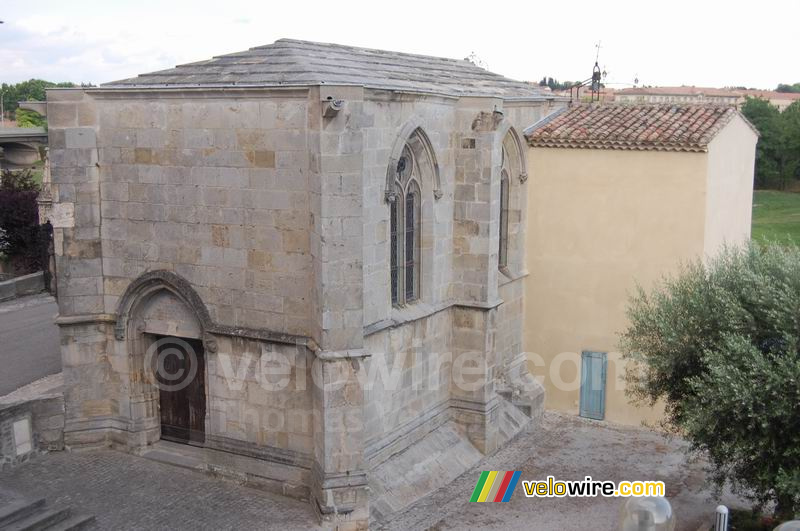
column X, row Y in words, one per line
column 702, row 95
column 620, row 195
column 690, row 95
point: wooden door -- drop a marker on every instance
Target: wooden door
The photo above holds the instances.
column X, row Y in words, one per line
column 182, row 393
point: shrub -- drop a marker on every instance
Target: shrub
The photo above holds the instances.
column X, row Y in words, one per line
column 20, row 236
column 26, row 118
column 719, row 344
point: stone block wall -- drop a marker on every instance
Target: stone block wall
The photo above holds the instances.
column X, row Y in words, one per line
column 95, row 393
column 216, row 190
column 21, row 286
column 75, row 188
column 459, row 262
column 31, row 427
column 394, row 115
column 259, row 395
column 409, row 374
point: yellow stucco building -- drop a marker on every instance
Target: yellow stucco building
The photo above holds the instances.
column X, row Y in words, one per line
column 620, row 195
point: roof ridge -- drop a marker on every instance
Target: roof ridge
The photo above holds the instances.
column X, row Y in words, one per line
column 362, row 49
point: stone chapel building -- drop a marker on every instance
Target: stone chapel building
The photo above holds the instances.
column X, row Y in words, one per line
column 344, row 209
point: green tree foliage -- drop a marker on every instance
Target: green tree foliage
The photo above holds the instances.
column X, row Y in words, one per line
column 778, row 151
column 31, row 90
column 720, row 344
column 784, row 87
column 764, row 116
column 790, row 141
column 26, row 118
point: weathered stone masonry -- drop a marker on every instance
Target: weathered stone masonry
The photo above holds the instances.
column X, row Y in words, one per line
column 255, row 218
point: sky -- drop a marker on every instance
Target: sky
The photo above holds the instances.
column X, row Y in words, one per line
column 698, row 42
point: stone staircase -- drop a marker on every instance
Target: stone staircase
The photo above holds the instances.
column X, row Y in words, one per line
column 429, row 464
column 35, row 515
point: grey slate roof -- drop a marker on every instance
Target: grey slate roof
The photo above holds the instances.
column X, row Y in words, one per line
column 289, row 62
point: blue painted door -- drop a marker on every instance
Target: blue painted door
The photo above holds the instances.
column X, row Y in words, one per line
column 593, row 385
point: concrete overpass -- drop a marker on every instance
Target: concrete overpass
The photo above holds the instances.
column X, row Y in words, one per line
column 23, row 135
column 21, row 145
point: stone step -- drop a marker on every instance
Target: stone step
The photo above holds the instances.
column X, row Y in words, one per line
column 435, row 460
column 40, row 520
column 34, row 515
column 259, row 473
column 19, row 509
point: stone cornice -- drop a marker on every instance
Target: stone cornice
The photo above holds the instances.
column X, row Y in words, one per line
column 509, row 276
column 261, row 334
column 422, row 310
column 210, row 91
column 336, row 355
column 72, row 320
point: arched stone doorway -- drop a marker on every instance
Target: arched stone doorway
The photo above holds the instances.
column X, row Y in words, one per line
column 161, row 323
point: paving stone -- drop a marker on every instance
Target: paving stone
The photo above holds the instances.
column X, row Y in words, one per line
column 127, row 492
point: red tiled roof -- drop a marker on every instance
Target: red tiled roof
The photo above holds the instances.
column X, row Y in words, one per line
column 636, row 127
column 771, row 94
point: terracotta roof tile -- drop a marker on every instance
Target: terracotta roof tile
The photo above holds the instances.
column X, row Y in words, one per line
column 636, row 127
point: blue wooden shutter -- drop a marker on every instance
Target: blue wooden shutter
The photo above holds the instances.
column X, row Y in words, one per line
column 593, row 385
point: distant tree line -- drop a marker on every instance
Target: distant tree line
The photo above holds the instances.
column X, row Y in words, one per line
column 31, row 90
column 554, row 84
column 785, row 87
column 778, row 150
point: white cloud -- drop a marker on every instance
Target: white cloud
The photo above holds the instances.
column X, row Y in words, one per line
column 689, row 42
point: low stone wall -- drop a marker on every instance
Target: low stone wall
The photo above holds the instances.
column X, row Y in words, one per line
column 24, row 285
column 31, row 427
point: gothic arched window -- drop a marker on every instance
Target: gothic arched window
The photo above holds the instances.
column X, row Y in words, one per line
column 405, row 230
column 502, row 256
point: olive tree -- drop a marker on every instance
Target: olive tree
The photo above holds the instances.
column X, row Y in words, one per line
column 719, row 344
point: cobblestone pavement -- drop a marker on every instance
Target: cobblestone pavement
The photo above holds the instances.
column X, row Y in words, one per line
column 568, row 447
column 29, row 347
column 129, row 492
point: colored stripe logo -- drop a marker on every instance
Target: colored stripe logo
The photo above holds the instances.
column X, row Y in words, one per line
column 494, row 486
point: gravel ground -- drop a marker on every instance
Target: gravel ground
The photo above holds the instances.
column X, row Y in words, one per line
column 569, row 447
